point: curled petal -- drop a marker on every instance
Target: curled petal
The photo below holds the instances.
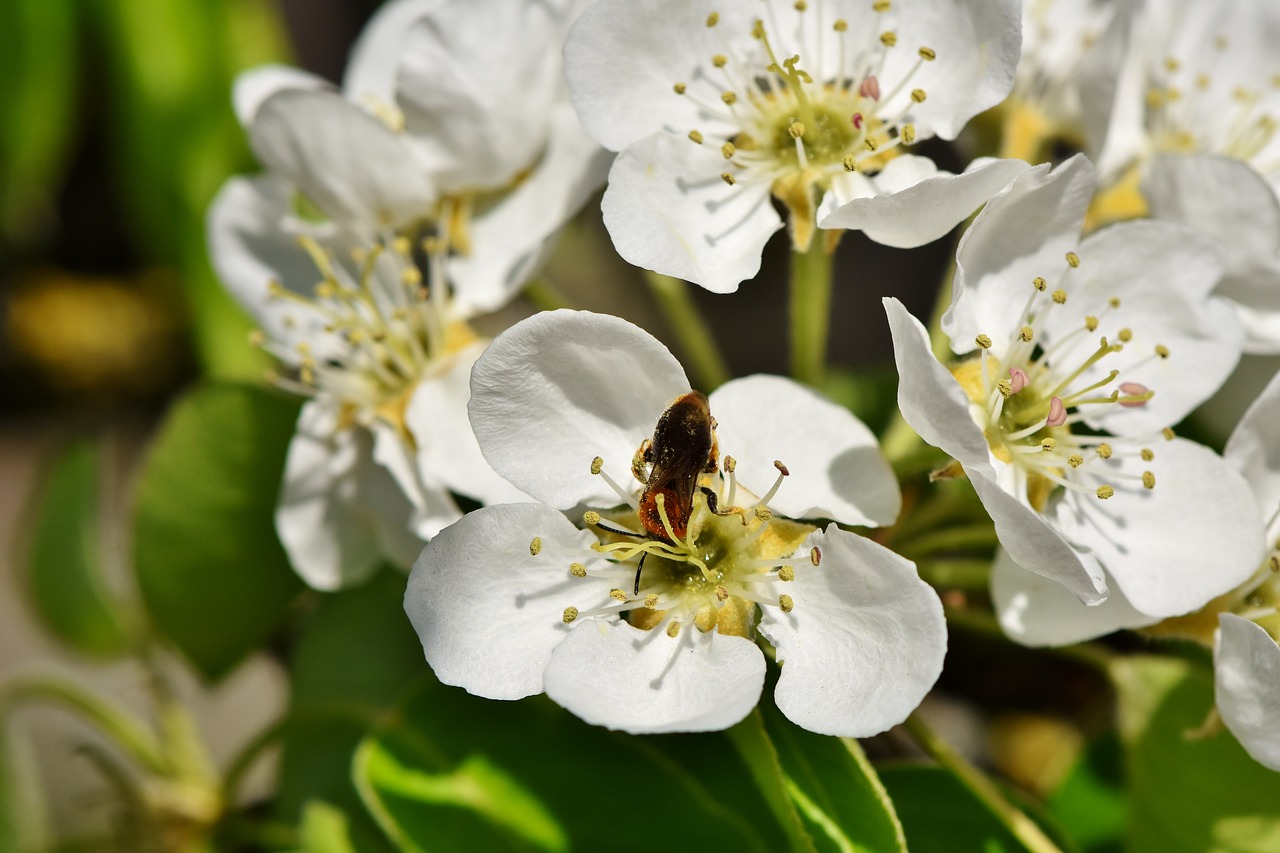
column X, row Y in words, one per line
column 1246, row 669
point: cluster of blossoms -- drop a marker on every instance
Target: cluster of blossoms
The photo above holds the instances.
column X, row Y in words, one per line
column 677, row 541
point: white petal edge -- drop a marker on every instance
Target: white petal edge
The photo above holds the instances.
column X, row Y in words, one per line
column 1254, row 447
column 1246, row 674
column 668, row 210
column 864, row 643
column 1036, row 611
column 837, row 470
column 562, row 387
column 489, row 612
column 645, row 682
column 925, row 209
column 378, row 51
column 254, row 86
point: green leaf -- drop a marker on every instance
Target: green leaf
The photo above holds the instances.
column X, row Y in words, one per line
column 1091, row 803
column 604, row 790
column 754, row 746
column 940, row 814
column 355, row 658
column 1188, row 793
column 64, row 571
column 39, row 58
column 324, row 829
column 836, row 790
column 214, row 576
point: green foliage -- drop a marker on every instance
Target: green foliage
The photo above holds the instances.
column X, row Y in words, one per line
column 836, row 790
column 1091, row 802
column 38, row 63
column 212, row 573
column 324, row 830
column 64, row 571
column 1189, row 791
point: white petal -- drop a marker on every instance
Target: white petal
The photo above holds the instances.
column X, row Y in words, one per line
column 562, row 387
column 864, row 642
column 929, row 397
column 667, row 209
column 447, row 449
column 254, row 86
column 1254, row 447
column 511, row 238
column 1246, row 674
column 622, row 59
column 1195, row 536
column 914, row 205
column 836, row 467
column 977, row 46
column 488, row 612
column 348, row 164
column 477, row 80
column 337, row 508
column 1235, row 206
column 433, row 508
column 1162, row 274
column 1024, row 231
column 1035, row 611
column 1037, row 545
column 644, row 682
column 371, row 68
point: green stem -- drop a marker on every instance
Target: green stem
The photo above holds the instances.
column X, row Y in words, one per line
column 951, row 539
column 810, row 309
column 119, row 727
column 545, row 296
column 956, row 574
column 696, row 342
column 757, row 751
column 1021, row 826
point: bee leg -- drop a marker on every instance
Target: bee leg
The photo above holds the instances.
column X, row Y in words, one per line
column 713, row 503
column 639, row 569
column 642, row 457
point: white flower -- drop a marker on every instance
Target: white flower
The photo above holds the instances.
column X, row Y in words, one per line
column 1246, row 657
column 516, row 600
column 455, row 123
column 717, row 107
column 1195, row 128
column 1086, row 352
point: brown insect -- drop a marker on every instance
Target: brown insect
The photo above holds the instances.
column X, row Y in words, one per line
column 683, row 447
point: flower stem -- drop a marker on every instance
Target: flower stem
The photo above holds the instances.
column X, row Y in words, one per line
column 696, row 342
column 980, row 536
column 1021, row 826
column 811, row 309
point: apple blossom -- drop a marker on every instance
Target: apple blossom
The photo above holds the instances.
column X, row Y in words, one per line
column 717, row 108
column 651, row 634
column 1075, row 358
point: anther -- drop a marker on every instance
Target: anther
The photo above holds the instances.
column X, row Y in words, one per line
column 1274, row 562
column 787, row 573
column 782, row 469
column 1039, row 284
column 1075, row 460
column 719, row 60
column 800, row 5
column 786, row 603
column 1048, row 445
column 570, row 614
column 651, row 601
column 889, row 38
column 617, row 595
column 815, row 555
column 1168, row 433
column 919, row 95
column 870, row 87
column 1091, row 323
column 840, row 25
column 1114, row 302
column 850, row 163
column 763, row 513
column 730, row 464
column 1162, row 350
column 713, row 19
column 696, row 136
column 1057, row 412
column 1018, row 379
column 727, row 178
column 596, row 464
column 1104, row 450
column 1125, row 334
column 871, row 142
column 1060, row 296
column 1073, row 260
column 1105, row 492
column 1005, row 387
column 728, row 150
column 908, row 134
column 722, row 594
column 673, row 630
column 729, row 98
column 591, row 518
column 928, row 54
column 1148, row 480
column 796, row 130
column 856, row 120
column 578, row 570
column 881, row 6
column 983, row 341
column 680, row 88
column 1137, row 395
column 1025, row 334
column 1148, row 454
column 535, row 547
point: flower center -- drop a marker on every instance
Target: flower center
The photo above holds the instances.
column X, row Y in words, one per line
column 374, row 329
column 802, row 116
column 732, row 558
column 1027, row 394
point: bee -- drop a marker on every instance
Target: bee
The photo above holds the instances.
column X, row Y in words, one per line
column 683, row 447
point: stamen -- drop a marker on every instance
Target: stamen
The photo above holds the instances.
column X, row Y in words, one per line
column 1057, row 412
column 535, row 547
